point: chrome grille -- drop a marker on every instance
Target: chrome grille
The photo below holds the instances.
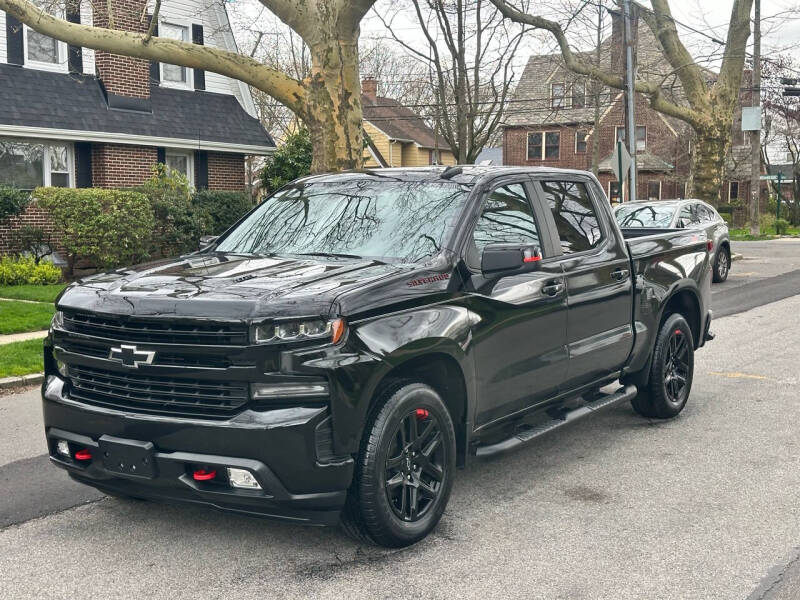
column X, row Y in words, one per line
column 157, row 395
column 157, row 331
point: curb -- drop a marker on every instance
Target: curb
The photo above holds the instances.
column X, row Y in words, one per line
column 7, row 383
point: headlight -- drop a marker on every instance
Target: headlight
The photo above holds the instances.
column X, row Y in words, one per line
column 290, row 331
column 58, row 321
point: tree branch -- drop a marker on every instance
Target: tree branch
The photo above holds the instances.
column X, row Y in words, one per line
column 271, row 81
column 153, row 21
column 576, row 65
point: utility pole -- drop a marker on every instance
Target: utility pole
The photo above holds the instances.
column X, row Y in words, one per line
column 630, row 121
column 755, row 135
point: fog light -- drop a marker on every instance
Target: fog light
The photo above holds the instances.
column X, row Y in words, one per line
column 242, row 478
column 62, row 447
column 62, row 368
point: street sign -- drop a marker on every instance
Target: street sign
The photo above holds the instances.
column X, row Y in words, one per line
column 620, row 161
column 751, row 118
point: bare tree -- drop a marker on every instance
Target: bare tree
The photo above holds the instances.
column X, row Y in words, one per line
column 327, row 99
column 706, row 104
column 470, row 55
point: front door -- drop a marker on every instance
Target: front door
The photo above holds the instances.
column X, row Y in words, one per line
column 599, row 282
column 519, row 337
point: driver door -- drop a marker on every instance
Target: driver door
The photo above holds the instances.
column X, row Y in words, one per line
column 520, row 340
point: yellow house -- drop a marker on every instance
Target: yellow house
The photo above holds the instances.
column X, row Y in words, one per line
column 397, row 136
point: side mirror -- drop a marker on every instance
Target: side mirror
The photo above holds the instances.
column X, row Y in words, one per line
column 207, row 240
column 509, row 259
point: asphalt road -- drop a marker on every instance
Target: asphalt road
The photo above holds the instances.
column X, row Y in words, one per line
column 616, row 506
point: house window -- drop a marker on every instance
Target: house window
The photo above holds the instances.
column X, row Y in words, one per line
column 578, row 94
column 29, row 165
column 549, row 150
column 641, row 137
column 557, row 93
column 654, row 190
column 613, row 192
column 433, row 157
column 580, row 141
column 733, row 191
column 42, row 51
column 552, row 145
column 174, row 75
column 535, row 149
column 182, row 162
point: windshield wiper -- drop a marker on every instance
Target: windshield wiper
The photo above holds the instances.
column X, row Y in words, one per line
column 338, row 255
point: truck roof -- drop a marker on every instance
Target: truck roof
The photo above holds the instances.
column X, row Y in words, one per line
column 470, row 174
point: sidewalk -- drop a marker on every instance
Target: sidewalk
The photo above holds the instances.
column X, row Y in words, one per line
column 21, row 337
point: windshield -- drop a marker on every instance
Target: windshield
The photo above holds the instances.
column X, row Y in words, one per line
column 651, row 215
column 367, row 218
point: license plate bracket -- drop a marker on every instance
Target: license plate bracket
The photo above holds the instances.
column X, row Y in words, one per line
column 129, row 458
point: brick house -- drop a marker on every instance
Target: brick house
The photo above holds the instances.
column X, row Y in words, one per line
column 396, row 135
column 75, row 117
column 551, row 122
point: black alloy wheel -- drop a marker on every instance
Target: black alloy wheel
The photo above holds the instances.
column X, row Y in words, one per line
column 669, row 381
column 415, row 465
column 676, row 368
column 404, row 471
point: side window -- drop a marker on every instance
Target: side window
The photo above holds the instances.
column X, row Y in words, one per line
column 575, row 215
column 506, row 218
column 686, row 215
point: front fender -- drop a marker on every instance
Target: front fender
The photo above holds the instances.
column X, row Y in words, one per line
column 378, row 346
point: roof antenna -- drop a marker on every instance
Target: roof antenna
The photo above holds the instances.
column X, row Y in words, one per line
column 451, row 172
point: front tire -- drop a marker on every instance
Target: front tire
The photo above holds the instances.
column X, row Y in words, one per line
column 671, row 371
column 722, row 264
column 404, row 472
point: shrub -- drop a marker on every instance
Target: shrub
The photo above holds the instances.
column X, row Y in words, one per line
column 25, row 271
column 766, row 222
column 219, row 210
column 12, row 201
column 33, row 240
column 781, row 226
column 177, row 225
column 290, row 161
column 109, row 228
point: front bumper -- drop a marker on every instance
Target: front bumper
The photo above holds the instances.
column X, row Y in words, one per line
column 281, row 447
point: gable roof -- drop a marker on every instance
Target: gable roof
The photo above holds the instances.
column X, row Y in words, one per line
column 399, row 123
column 178, row 118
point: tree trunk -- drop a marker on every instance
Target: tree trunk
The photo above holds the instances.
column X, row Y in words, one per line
column 708, row 165
column 333, row 107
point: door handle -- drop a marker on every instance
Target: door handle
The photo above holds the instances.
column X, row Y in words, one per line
column 620, row 274
column 552, row 288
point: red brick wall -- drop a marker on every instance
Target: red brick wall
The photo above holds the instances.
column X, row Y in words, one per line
column 122, row 75
column 32, row 216
column 225, row 171
column 121, row 166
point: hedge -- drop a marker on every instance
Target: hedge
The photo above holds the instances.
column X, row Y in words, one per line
column 109, row 228
column 12, row 201
column 24, row 271
column 219, row 210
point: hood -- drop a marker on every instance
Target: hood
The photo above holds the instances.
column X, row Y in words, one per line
column 226, row 286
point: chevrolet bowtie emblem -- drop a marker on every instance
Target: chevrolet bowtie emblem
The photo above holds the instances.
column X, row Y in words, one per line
column 130, row 356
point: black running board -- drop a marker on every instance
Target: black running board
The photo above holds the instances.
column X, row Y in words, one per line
column 623, row 394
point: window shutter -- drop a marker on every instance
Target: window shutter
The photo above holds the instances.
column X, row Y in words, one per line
column 201, row 170
column 199, row 74
column 161, row 155
column 83, row 164
column 155, row 68
column 74, row 53
column 14, row 51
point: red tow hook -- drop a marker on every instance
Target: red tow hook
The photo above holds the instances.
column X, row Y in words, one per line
column 83, row 454
column 203, row 475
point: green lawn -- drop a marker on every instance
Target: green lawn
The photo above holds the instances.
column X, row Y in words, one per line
column 18, row 317
column 21, row 358
column 742, row 234
column 38, row 293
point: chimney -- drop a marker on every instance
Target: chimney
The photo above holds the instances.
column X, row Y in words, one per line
column 123, row 77
column 617, row 48
column 369, row 87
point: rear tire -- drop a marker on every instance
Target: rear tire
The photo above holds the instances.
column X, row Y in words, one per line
column 404, row 472
column 671, row 371
column 722, row 264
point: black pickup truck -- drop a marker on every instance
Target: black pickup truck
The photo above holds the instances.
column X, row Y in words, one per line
column 345, row 346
